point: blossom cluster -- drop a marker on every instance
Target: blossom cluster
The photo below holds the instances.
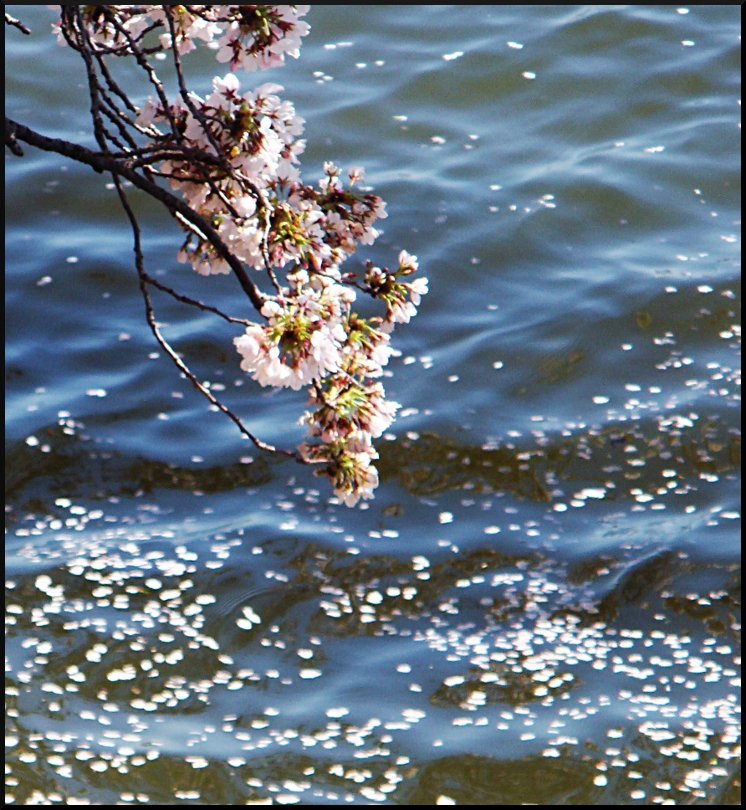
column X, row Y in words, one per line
column 304, row 335
column 401, row 297
column 253, row 138
column 234, row 158
column 257, row 180
column 250, row 37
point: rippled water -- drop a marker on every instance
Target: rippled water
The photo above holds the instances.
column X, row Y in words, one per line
column 542, row 604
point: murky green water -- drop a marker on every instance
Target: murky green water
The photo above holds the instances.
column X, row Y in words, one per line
column 542, row 604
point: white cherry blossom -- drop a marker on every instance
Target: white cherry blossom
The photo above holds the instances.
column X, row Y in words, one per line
column 251, row 192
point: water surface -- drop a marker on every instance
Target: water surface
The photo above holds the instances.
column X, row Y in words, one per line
column 547, row 582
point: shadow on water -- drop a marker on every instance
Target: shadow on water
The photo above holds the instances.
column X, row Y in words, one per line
column 72, row 465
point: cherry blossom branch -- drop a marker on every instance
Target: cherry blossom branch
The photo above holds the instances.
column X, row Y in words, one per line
column 15, row 131
column 218, row 151
column 233, row 157
column 145, row 279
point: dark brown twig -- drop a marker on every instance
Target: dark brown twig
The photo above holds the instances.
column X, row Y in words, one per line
column 106, row 163
column 16, row 23
column 185, row 299
column 147, row 67
column 181, row 365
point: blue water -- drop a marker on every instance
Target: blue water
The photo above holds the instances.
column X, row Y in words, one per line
column 561, row 489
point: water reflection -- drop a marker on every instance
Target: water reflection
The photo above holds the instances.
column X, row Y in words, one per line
column 273, row 662
column 639, row 460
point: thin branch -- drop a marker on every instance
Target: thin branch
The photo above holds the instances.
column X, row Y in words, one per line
column 83, row 39
column 193, row 302
column 17, row 23
column 115, row 117
column 114, row 87
column 198, row 114
column 144, row 280
column 107, row 50
column 105, row 163
column 147, row 67
column 202, row 118
column 110, row 109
